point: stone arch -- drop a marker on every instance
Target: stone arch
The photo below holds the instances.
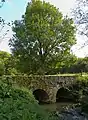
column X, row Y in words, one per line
column 41, row 95
column 63, row 95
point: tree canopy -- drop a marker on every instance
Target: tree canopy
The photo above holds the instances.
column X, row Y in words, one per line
column 42, row 38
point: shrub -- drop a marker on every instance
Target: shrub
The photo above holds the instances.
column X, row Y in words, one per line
column 83, row 80
column 84, row 104
column 2, row 68
column 18, row 104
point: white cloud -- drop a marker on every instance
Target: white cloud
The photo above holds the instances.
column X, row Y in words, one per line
column 4, row 42
column 63, row 5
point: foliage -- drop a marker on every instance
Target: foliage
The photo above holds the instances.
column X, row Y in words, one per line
column 84, row 87
column 54, row 116
column 1, row 3
column 80, row 15
column 4, row 56
column 19, row 104
column 67, row 64
column 41, row 38
column 84, row 104
column 64, row 65
column 7, row 64
column 2, row 70
column 83, row 79
column 11, row 66
column 79, row 89
column 74, row 65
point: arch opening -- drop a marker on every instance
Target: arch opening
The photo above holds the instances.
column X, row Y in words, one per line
column 63, row 95
column 41, row 96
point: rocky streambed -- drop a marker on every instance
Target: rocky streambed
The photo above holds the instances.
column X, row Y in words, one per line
column 72, row 114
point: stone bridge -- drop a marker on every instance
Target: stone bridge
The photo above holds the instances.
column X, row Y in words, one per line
column 46, row 88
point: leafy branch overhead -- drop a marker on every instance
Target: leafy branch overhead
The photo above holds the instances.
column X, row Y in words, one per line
column 4, row 29
column 80, row 15
column 1, row 3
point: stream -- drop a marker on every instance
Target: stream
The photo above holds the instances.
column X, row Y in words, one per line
column 56, row 106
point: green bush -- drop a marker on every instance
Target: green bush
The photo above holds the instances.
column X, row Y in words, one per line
column 2, row 68
column 19, row 104
column 83, row 80
column 84, row 104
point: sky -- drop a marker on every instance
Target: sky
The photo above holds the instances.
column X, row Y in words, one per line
column 14, row 9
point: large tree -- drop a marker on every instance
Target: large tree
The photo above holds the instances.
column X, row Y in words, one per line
column 42, row 37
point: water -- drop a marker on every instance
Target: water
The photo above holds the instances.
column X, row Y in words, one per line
column 56, row 106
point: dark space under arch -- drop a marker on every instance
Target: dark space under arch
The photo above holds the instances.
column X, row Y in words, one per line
column 41, row 95
column 63, row 95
